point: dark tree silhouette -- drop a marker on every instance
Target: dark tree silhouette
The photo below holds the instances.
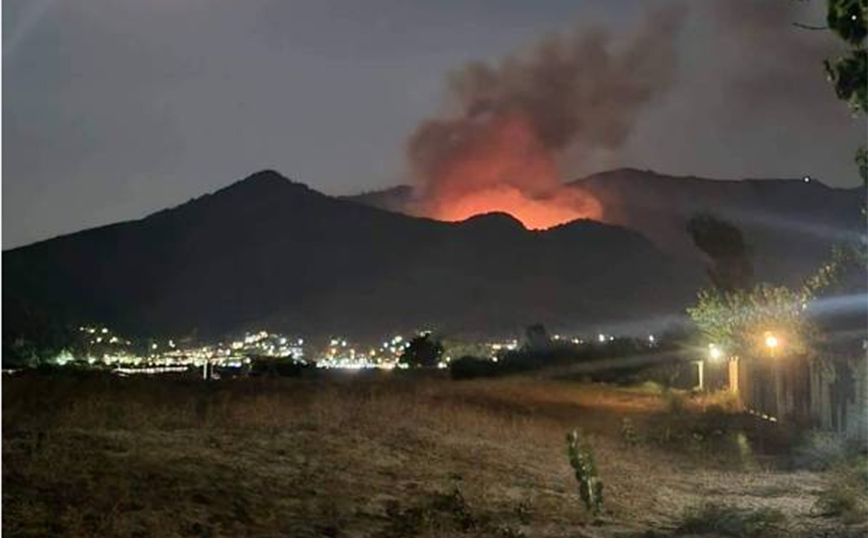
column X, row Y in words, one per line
column 537, row 337
column 423, row 352
column 723, row 242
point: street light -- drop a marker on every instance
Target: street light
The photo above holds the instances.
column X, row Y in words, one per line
column 772, row 343
column 714, row 352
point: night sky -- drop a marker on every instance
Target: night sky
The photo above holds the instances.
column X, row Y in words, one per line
column 116, row 108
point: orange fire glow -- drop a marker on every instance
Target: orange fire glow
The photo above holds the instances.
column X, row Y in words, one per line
column 534, row 213
column 501, row 166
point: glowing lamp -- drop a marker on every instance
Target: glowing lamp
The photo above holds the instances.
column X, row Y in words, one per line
column 714, row 352
column 771, row 341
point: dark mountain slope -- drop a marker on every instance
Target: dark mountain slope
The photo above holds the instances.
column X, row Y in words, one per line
column 267, row 251
column 790, row 224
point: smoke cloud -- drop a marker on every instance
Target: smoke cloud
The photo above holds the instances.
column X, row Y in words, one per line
column 751, row 99
column 573, row 94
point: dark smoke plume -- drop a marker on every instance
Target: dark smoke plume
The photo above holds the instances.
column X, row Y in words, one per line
column 577, row 93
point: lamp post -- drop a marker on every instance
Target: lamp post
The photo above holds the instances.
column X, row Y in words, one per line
column 714, row 355
column 772, row 343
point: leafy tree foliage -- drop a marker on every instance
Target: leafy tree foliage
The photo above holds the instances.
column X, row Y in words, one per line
column 537, row 337
column 423, row 351
column 738, row 321
column 848, row 19
column 35, row 338
column 735, row 315
column 844, row 262
column 862, row 163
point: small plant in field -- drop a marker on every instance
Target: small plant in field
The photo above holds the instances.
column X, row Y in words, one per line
column 582, row 461
column 524, row 512
column 454, row 504
column 847, row 495
column 628, row 432
column 835, row 501
column 505, row 531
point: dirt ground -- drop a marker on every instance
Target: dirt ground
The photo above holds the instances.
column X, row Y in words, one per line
column 380, row 456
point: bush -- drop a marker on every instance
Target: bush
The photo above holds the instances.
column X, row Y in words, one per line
column 819, row 451
column 651, row 387
column 468, row 367
column 847, row 495
column 276, row 367
column 723, row 437
column 672, row 374
column 423, row 351
column 835, row 501
column 725, row 520
column 724, row 400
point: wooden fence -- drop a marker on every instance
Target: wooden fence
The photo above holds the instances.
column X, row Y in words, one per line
column 828, row 392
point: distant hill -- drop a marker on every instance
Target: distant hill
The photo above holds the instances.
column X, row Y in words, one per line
column 790, row 224
column 269, row 252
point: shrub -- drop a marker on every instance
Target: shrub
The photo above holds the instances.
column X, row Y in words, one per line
column 847, row 496
column 651, row 387
column 585, row 469
column 468, row 367
column 659, row 376
column 455, row 505
column 423, row 351
column 262, row 366
column 837, row 500
column 723, row 400
column 714, row 422
column 820, row 451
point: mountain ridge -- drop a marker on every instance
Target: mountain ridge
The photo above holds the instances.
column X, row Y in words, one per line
column 267, row 251
column 791, row 223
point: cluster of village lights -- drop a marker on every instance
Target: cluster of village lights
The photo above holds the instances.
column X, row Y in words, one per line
column 149, row 356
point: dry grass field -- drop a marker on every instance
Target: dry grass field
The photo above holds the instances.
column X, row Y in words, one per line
column 391, row 456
